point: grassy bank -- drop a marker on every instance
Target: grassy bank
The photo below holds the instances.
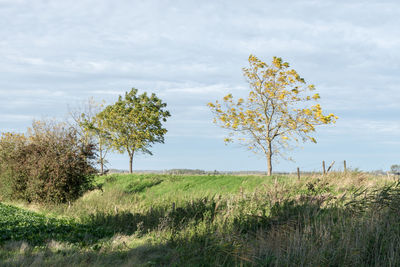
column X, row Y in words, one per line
column 166, row 220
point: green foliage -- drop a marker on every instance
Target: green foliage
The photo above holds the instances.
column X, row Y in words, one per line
column 49, row 164
column 19, row 224
column 10, row 143
column 92, row 129
column 134, row 123
column 395, row 168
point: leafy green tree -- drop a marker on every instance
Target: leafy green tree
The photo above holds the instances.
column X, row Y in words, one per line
column 276, row 112
column 134, row 123
column 96, row 127
column 91, row 128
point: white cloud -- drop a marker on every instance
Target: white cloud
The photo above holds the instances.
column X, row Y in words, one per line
column 215, row 89
column 55, row 53
column 15, row 118
column 108, row 92
column 22, row 93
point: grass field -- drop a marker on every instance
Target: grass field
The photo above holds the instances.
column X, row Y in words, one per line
column 177, row 220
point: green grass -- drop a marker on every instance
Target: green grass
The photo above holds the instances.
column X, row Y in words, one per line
column 177, row 220
column 163, row 190
column 157, row 186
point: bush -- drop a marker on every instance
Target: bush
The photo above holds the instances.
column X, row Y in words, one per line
column 49, row 164
column 395, row 168
column 9, row 144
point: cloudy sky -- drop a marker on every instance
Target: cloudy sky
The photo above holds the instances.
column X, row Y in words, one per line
column 55, row 54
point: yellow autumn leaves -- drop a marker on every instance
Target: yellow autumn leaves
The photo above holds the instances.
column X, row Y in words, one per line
column 278, row 108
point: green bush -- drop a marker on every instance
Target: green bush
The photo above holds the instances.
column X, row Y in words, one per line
column 9, row 144
column 49, row 164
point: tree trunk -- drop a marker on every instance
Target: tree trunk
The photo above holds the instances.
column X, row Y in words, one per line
column 130, row 162
column 101, row 166
column 269, row 159
column 101, row 160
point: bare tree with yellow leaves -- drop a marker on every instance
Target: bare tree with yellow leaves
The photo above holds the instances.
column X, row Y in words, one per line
column 281, row 109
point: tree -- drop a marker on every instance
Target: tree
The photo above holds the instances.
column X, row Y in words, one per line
column 91, row 128
column 134, row 123
column 277, row 112
column 96, row 127
column 395, row 168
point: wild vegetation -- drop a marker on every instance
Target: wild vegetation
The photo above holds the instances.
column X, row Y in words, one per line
column 339, row 219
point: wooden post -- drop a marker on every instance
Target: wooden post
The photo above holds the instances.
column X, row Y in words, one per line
column 344, row 166
column 298, row 173
column 330, row 166
column 323, row 166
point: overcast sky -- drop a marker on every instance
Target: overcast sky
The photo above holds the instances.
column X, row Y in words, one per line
column 55, row 54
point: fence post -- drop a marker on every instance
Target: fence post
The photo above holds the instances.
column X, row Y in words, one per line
column 330, row 166
column 344, row 166
column 298, row 173
column 323, row 166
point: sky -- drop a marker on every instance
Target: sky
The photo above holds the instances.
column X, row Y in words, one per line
column 54, row 55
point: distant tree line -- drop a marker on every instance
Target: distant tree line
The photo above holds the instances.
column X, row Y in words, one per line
column 186, row 171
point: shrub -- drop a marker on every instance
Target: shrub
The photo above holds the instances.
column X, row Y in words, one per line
column 49, row 164
column 395, row 168
column 9, row 144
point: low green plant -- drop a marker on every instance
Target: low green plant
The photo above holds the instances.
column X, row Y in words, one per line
column 18, row 224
